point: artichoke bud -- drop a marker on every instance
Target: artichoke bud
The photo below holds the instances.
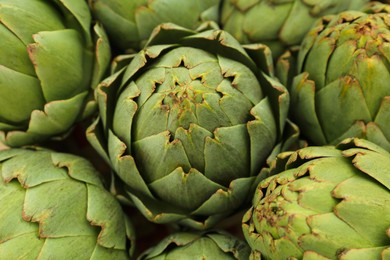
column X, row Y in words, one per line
column 192, row 112
column 343, row 78
column 54, row 205
column 327, row 202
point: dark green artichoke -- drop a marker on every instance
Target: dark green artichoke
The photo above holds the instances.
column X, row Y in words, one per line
column 342, row 89
column 49, row 62
column 54, row 206
column 198, row 245
column 323, row 203
column 188, row 123
column 279, row 24
column 129, row 23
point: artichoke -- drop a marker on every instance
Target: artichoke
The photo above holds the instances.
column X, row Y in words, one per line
column 198, row 245
column 342, row 89
column 54, row 206
column 48, row 64
column 188, row 123
column 279, row 24
column 129, row 23
column 323, row 202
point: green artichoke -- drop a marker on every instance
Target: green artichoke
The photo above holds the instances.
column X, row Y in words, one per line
column 54, row 206
column 277, row 23
column 342, row 89
column 188, row 123
column 129, row 23
column 323, row 203
column 198, row 245
column 48, row 63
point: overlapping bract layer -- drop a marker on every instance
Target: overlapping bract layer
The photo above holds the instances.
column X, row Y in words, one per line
column 277, row 23
column 47, row 67
column 129, row 23
column 188, row 124
column 343, row 87
column 323, row 203
column 198, row 245
column 54, row 206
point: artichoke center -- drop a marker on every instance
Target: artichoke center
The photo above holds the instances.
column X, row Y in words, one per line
column 182, row 97
column 189, row 86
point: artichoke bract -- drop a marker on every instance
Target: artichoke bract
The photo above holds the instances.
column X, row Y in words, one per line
column 54, row 206
column 277, row 23
column 129, row 23
column 49, row 63
column 342, row 88
column 188, row 123
column 198, row 245
column 323, row 202
column 376, row 7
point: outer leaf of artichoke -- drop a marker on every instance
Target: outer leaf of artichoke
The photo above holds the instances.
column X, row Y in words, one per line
column 198, row 245
column 323, row 203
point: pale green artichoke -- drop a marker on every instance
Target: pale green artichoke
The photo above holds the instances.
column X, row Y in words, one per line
column 54, row 206
column 323, row 203
column 49, row 63
column 211, row 245
column 342, row 89
column 188, row 123
column 279, row 24
column 129, row 23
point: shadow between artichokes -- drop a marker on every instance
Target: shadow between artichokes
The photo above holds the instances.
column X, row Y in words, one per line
column 50, row 59
column 54, row 206
column 323, row 202
column 188, row 123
